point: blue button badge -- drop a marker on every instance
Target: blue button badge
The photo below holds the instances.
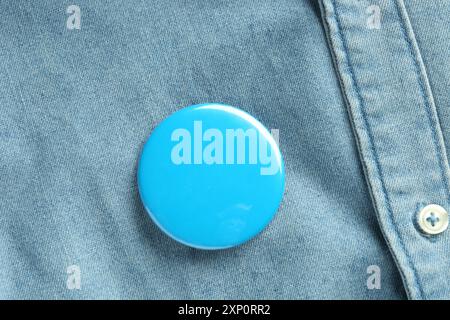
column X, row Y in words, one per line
column 211, row 176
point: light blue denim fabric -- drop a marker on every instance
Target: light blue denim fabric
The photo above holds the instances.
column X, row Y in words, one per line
column 395, row 119
column 76, row 106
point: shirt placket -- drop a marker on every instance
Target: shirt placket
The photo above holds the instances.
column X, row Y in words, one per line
column 391, row 107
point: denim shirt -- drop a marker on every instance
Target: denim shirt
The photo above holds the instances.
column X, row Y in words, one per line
column 357, row 89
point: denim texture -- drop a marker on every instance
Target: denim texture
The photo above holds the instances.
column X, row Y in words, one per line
column 359, row 132
column 400, row 139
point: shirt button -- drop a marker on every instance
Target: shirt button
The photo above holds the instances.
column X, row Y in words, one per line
column 433, row 219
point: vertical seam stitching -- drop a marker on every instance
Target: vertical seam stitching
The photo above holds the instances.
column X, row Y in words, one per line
column 375, row 154
column 428, row 107
column 358, row 141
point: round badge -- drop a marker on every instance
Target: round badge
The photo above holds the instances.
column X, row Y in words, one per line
column 211, row 176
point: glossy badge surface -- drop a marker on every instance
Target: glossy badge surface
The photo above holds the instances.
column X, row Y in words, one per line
column 211, row 176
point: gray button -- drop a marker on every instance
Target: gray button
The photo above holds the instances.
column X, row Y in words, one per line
column 433, row 219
